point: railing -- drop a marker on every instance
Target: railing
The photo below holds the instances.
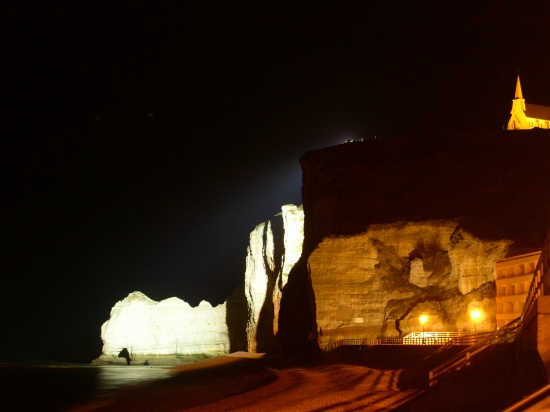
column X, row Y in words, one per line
column 520, row 405
column 338, row 343
column 540, row 285
column 427, row 341
column 448, row 335
column 467, row 340
column 464, row 358
column 439, row 338
column 414, row 338
column 515, row 275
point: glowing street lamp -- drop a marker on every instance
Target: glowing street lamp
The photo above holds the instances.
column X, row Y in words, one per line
column 423, row 320
column 475, row 314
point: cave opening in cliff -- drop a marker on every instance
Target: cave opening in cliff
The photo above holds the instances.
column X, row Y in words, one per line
column 124, row 353
column 412, row 306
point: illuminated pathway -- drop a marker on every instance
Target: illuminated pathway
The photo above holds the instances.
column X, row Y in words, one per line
column 334, row 388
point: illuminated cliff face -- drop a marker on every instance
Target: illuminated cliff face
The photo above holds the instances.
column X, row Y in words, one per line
column 267, row 269
column 526, row 115
column 146, row 327
column 377, row 283
column 293, row 218
column 244, row 322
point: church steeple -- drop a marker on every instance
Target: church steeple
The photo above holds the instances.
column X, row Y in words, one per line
column 527, row 116
column 519, row 94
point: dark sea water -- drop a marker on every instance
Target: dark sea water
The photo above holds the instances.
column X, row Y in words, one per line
column 61, row 387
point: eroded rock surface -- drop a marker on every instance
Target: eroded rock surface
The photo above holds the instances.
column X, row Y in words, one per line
column 465, row 181
column 154, row 331
column 273, row 249
column 377, row 283
column 293, row 220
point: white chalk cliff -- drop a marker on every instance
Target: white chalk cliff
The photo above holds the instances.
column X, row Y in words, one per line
column 267, row 273
column 293, row 218
column 171, row 327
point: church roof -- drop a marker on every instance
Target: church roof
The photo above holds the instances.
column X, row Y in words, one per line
column 535, row 111
column 519, row 94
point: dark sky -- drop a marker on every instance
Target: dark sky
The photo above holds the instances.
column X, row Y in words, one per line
column 142, row 143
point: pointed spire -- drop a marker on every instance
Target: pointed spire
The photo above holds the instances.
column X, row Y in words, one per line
column 519, row 95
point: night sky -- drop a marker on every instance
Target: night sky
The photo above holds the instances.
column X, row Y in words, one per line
column 142, row 143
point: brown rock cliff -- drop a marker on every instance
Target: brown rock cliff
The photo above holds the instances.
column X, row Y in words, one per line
column 480, row 196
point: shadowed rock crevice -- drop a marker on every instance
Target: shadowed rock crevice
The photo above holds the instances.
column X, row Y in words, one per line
column 297, row 332
column 236, row 317
column 274, row 230
column 436, row 263
column 391, row 267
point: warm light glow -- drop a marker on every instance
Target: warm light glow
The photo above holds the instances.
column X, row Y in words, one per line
column 423, row 319
column 475, row 314
column 525, row 115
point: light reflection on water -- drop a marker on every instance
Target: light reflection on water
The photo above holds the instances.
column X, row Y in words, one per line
column 60, row 387
column 112, row 377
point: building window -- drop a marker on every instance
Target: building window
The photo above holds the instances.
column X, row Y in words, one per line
column 507, row 307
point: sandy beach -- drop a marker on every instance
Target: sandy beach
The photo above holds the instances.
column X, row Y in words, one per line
column 359, row 379
column 247, row 382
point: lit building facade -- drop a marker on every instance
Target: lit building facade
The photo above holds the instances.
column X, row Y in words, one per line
column 514, row 276
column 526, row 115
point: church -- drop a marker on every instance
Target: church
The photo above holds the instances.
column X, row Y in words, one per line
column 526, row 115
